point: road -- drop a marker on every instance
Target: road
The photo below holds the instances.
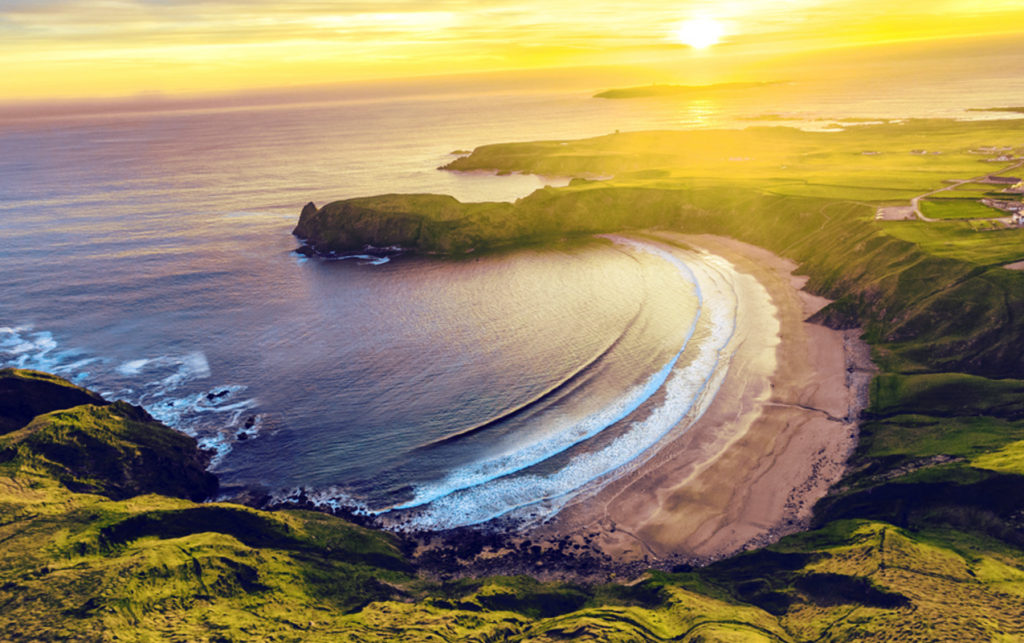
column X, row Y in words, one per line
column 916, row 201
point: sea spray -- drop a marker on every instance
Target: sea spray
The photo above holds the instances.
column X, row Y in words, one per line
column 165, row 385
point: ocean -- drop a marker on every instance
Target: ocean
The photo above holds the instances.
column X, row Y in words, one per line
column 148, row 256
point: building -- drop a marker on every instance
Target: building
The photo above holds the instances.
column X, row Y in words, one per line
column 995, row 178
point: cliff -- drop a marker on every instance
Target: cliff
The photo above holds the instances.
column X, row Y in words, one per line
column 442, row 225
column 93, row 446
column 425, row 222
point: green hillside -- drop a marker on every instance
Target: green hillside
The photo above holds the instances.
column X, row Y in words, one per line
column 84, row 566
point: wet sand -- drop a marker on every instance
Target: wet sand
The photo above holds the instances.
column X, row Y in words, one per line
column 775, row 438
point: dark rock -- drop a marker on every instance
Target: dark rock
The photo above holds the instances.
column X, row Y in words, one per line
column 308, row 209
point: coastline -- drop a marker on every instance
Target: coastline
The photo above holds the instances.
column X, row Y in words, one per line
column 772, row 442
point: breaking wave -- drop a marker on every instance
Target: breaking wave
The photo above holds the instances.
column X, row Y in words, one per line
column 172, row 388
column 668, row 403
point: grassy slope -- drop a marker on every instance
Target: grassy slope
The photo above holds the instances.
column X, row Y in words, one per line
column 921, row 541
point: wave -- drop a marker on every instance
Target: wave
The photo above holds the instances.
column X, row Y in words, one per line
column 558, row 439
column 487, row 490
column 364, row 260
column 569, row 382
column 22, row 348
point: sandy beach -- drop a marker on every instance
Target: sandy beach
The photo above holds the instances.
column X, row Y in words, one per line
column 775, row 438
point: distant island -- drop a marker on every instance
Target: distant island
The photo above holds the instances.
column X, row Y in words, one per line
column 690, row 91
column 1013, row 110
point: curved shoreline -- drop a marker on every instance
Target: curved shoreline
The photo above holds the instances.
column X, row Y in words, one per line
column 774, row 439
column 683, row 395
column 771, row 443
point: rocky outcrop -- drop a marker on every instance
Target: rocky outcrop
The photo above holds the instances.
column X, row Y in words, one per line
column 93, row 446
column 345, row 226
column 441, row 224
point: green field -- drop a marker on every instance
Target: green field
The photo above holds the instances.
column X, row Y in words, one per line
column 976, row 191
column 958, row 208
column 962, row 241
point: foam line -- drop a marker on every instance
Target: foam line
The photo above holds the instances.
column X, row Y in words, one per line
column 551, row 391
column 558, row 440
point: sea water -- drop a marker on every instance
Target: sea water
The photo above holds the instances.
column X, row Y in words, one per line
column 149, row 256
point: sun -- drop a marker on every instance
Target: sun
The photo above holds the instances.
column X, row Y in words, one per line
column 699, row 33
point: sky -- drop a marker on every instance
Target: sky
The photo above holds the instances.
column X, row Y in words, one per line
column 106, row 48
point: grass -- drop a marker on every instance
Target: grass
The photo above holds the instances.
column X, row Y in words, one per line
column 960, row 241
column 1009, row 459
column 79, row 566
column 25, row 394
column 824, row 166
column 958, row 208
column 115, row 450
column 914, row 437
column 947, row 394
